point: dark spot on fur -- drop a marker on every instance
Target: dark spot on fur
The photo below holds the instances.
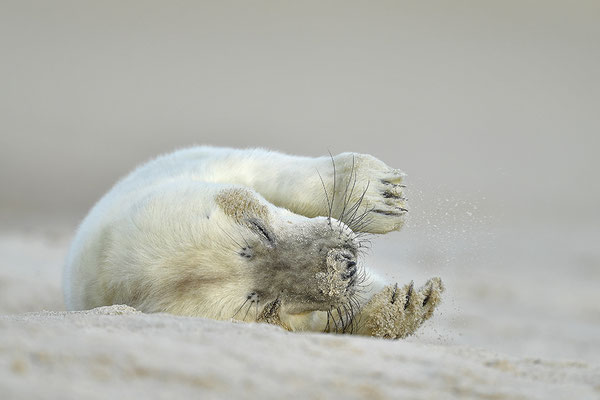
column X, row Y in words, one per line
column 246, row 252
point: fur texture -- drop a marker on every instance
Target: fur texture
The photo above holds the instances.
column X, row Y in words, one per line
column 252, row 235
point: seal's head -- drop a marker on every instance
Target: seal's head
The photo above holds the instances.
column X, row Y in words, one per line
column 307, row 264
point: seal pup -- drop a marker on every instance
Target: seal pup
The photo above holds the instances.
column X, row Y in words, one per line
column 249, row 235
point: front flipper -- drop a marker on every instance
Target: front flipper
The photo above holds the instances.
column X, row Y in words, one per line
column 396, row 313
column 368, row 195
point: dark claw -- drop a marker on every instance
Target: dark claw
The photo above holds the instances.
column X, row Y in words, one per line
column 409, row 294
column 389, row 195
column 426, row 299
column 390, row 213
column 395, row 294
column 392, row 184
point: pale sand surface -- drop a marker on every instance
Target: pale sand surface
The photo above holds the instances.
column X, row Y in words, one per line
column 520, row 319
column 116, row 352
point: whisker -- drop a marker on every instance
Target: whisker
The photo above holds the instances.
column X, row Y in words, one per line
column 357, row 205
column 329, row 204
column 341, row 318
column 348, row 312
column 334, row 183
column 249, row 307
column 354, row 307
column 243, row 304
column 357, row 224
column 327, row 327
column 334, row 322
column 349, row 317
column 228, row 235
column 244, row 239
column 346, row 195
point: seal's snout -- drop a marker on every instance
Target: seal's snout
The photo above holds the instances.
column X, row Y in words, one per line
column 340, row 275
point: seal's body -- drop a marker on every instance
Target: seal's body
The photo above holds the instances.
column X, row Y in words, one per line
column 251, row 235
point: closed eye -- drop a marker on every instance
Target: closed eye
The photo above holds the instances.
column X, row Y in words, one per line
column 262, row 231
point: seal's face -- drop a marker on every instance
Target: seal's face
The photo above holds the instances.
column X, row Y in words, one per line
column 307, row 264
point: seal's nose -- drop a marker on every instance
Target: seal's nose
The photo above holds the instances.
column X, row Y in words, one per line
column 350, row 270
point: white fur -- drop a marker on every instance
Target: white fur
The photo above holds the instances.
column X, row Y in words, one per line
column 136, row 239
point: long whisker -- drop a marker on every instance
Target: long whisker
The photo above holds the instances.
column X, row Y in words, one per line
column 357, row 223
column 244, row 239
column 357, row 205
column 340, row 315
column 350, row 315
column 347, row 196
column 243, row 304
column 249, row 307
column 366, row 223
column 334, row 181
column 329, row 204
column 334, row 321
column 228, row 235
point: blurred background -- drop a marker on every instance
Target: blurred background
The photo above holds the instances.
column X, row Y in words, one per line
column 492, row 108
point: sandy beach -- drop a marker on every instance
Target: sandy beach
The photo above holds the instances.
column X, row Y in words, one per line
column 116, row 351
column 516, row 326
